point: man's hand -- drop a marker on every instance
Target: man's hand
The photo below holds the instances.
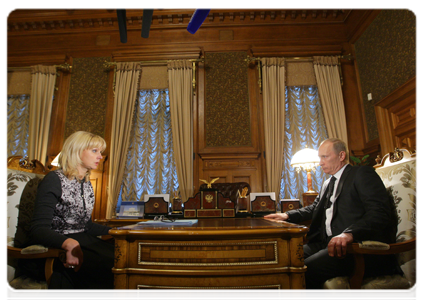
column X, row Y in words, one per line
column 74, row 255
column 337, row 246
column 277, row 217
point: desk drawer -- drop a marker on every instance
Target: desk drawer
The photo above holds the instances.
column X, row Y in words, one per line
column 208, row 253
column 262, row 281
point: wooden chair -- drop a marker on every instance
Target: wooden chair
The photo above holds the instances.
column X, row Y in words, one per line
column 398, row 172
column 23, row 178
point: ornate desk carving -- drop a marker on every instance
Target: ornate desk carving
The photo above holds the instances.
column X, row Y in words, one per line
column 218, row 253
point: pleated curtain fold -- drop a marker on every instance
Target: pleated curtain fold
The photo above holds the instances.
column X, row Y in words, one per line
column 273, row 74
column 17, row 124
column 330, row 91
column 127, row 81
column 181, row 110
column 41, row 100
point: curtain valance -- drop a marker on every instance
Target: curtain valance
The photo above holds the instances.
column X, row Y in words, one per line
column 272, row 61
column 19, row 83
column 154, row 77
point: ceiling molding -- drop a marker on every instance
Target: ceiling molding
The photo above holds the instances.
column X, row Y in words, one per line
column 31, row 60
column 38, row 21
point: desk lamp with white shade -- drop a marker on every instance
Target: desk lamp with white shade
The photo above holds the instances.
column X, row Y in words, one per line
column 306, row 159
column 55, row 161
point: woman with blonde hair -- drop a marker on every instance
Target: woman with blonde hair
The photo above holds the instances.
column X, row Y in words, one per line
column 62, row 217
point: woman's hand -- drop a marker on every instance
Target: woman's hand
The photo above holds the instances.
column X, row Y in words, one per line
column 277, row 217
column 74, row 255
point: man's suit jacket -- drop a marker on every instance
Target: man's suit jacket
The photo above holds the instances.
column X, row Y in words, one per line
column 362, row 207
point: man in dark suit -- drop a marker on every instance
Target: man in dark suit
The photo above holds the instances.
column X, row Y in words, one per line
column 353, row 205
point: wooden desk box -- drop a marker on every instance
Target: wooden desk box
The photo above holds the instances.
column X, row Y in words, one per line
column 289, row 204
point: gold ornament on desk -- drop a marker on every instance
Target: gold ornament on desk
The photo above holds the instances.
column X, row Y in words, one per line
column 209, row 183
column 244, row 192
column 177, row 204
column 209, row 203
column 242, row 202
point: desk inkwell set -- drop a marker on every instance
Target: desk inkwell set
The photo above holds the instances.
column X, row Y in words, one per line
column 209, row 203
column 160, row 205
column 243, row 203
column 176, row 206
column 255, row 204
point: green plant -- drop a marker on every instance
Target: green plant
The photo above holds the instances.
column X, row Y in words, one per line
column 357, row 161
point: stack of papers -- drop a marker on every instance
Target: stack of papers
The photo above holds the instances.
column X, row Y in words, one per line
column 168, row 223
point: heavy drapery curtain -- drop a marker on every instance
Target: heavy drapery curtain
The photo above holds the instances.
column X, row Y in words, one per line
column 180, row 96
column 17, row 124
column 127, row 81
column 273, row 74
column 329, row 84
column 41, row 101
column 150, row 167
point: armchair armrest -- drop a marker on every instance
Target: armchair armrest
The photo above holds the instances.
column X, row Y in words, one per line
column 359, row 252
column 395, row 248
column 51, row 252
column 50, row 255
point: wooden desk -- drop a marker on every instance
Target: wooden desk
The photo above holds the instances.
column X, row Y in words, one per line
column 221, row 253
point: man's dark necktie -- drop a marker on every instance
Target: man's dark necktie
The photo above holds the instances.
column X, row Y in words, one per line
column 329, row 192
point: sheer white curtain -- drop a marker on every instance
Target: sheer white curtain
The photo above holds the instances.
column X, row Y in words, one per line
column 273, row 74
column 127, row 81
column 41, row 101
column 17, row 124
column 180, row 96
column 305, row 126
column 330, row 91
column 150, row 167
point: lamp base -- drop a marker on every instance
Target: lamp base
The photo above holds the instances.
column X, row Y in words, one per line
column 311, row 192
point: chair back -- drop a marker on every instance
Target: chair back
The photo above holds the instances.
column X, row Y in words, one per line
column 23, row 178
column 398, row 173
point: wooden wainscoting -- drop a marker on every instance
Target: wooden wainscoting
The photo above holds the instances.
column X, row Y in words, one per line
column 396, row 118
column 239, row 167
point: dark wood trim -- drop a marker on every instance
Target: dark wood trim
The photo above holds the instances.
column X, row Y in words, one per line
column 102, row 207
column 58, row 114
column 396, row 118
column 27, row 60
column 357, row 26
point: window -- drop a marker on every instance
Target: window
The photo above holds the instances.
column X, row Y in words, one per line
column 304, row 126
column 17, row 124
column 150, row 168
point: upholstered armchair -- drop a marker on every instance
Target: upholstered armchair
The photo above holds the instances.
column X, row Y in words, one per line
column 228, row 189
column 398, row 172
column 23, row 178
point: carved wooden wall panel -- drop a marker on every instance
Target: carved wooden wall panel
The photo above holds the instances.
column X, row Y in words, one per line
column 232, row 168
column 396, row 118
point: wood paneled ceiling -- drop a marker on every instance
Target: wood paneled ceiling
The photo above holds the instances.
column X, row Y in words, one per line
column 25, row 21
column 53, row 33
